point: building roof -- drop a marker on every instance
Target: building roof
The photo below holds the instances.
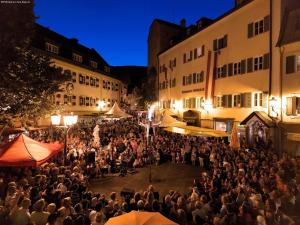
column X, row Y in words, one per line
column 262, row 116
column 67, row 46
column 192, row 29
column 131, row 75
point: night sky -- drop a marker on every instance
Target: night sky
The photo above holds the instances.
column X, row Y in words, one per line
column 118, row 29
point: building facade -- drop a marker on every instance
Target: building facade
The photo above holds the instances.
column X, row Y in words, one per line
column 232, row 70
column 91, row 82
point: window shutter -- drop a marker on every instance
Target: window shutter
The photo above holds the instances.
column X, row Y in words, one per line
column 248, row 100
column 225, row 39
column 266, row 23
column 250, row 30
column 290, row 64
column 203, row 50
column 224, row 101
column 229, row 101
column 266, row 61
column 215, row 102
column 195, row 53
column 215, row 45
column 184, row 58
column 243, row 100
column 243, row 66
column 264, row 100
column 183, row 80
column 191, row 56
column 230, row 69
column 291, row 106
column 193, row 103
column 224, row 71
column 249, row 65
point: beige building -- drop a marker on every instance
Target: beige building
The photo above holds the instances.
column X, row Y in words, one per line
column 92, row 88
column 232, row 70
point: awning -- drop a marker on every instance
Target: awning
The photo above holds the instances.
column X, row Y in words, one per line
column 196, row 131
column 260, row 115
column 24, row 151
column 293, row 136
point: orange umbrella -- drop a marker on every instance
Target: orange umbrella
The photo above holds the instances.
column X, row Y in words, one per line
column 234, row 139
column 140, row 218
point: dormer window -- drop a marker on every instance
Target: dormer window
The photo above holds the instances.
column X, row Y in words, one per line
column 93, row 64
column 106, row 69
column 52, row 48
column 77, row 58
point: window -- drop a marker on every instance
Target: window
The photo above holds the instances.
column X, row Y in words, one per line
column 82, row 101
column 237, row 101
column 194, row 78
column 199, row 52
column 260, row 99
column 298, row 63
column 81, row 79
column 87, row 80
column 259, row 27
column 52, row 48
column 92, row 81
column 97, row 82
column 293, row 106
column 219, row 72
column 173, row 82
column 183, row 80
column 256, row 99
column 73, row 100
column 239, row 68
column 87, row 101
column 73, row 77
column 258, row 63
column 93, row 64
column 220, row 43
column 67, row 99
column 77, row 58
column 235, row 68
column 199, row 101
column 106, row 69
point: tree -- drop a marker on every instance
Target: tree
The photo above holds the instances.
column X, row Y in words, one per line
column 28, row 79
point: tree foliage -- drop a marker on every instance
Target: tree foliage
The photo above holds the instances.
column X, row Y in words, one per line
column 27, row 78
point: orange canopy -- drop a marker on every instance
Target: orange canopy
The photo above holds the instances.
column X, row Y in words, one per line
column 24, row 151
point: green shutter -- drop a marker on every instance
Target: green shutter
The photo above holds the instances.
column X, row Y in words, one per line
column 266, row 61
column 250, row 30
column 290, row 64
column 243, row 66
column 249, row 65
column 230, row 69
column 266, row 23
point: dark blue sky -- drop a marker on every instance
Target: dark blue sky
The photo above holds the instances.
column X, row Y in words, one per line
column 118, row 29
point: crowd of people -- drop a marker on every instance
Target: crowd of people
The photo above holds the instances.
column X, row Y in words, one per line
column 245, row 186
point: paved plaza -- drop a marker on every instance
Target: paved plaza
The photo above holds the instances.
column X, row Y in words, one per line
column 165, row 177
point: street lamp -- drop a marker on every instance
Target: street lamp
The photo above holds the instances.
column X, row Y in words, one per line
column 101, row 105
column 69, row 121
column 274, row 107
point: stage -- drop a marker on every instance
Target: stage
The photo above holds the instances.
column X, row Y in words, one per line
column 165, row 177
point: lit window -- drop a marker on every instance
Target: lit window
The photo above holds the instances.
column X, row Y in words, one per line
column 298, row 63
column 52, row 48
column 93, row 64
column 77, row 58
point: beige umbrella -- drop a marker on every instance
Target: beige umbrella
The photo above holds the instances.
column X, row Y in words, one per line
column 140, row 218
column 234, row 139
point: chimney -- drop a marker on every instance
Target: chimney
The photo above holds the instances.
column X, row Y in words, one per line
column 182, row 23
column 239, row 2
column 74, row 40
